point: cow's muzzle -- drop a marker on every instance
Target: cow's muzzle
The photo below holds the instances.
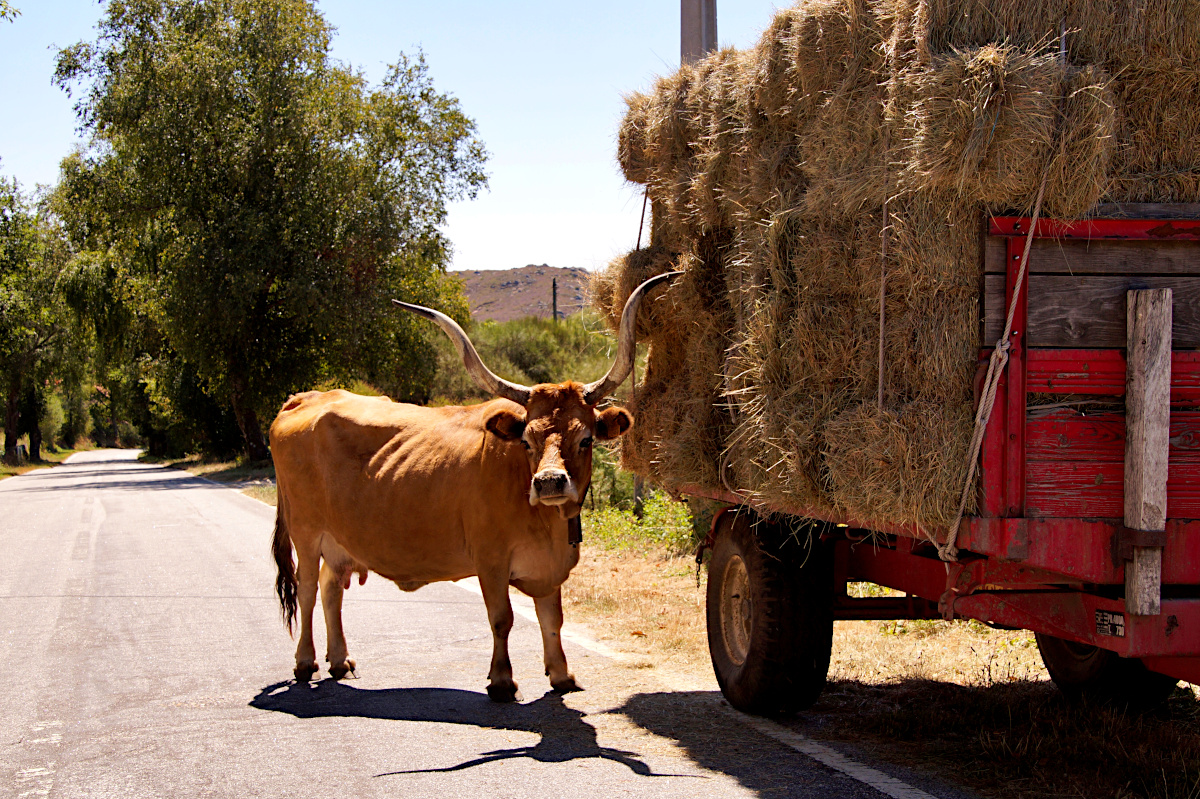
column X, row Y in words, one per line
column 552, row 487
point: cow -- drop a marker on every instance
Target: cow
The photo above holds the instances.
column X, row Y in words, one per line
column 419, row 494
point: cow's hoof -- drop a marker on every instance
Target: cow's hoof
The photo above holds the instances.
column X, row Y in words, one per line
column 503, row 692
column 340, row 671
column 305, row 672
column 566, row 686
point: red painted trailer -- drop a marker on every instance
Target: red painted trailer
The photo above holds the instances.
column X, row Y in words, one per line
column 1049, row 548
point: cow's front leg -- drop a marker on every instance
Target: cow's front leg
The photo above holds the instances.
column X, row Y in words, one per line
column 306, row 596
column 501, row 687
column 550, row 619
column 331, row 602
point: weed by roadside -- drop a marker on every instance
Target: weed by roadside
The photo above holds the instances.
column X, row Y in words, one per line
column 664, row 526
column 254, row 478
column 48, row 460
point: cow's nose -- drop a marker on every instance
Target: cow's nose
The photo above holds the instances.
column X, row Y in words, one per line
column 550, row 483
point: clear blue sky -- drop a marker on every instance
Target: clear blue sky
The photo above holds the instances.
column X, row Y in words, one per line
column 543, row 80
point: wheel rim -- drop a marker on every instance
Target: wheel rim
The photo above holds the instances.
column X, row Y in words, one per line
column 737, row 610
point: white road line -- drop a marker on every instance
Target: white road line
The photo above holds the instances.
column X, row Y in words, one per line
column 885, row 784
column 834, row 759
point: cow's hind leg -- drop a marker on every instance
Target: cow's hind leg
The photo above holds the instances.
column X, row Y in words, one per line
column 501, row 687
column 550, row 619
column 331, row 602
column 307, row 566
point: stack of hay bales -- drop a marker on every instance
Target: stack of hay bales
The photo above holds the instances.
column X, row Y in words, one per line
column 779, row 177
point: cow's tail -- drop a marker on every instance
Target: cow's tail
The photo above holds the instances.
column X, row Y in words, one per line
column 285, row 576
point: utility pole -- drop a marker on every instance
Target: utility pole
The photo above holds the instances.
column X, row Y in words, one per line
column 697, row 29
column 554, row 299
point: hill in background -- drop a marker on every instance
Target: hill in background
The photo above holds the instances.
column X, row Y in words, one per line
column 506, row 294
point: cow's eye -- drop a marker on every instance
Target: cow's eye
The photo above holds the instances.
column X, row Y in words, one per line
column 586, row 443
column 525, row 444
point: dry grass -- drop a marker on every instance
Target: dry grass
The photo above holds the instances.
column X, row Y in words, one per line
column 49, row 459
column 957, row 699
column 646, row 602
column 646, row 606
column 255, row 479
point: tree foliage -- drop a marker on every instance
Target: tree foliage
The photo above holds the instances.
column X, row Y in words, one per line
column 34, row 325
column 257, row 202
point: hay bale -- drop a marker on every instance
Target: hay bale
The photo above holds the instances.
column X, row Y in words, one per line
column 1155, row 157
column 769, row 172
column 671, row 143
column 633, row 137
column 907, row 463
column 1078, row 174
column 718, row 104
column 947, row 25
column 984, row 123
column 610, row 288
column 681, row 424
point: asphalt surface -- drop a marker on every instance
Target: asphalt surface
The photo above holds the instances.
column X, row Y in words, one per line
column 142, row 655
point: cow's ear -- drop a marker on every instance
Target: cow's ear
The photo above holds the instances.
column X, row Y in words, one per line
column 612, row 423
column 506, row 425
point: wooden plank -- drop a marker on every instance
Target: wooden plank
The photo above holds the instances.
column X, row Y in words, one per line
column 1146, row 211
column 991, row 474
column 992, row 310
column 1093, row 490
column 1099, row 257
column 1070, row 436
column 1147, row 425
column 1088, row 311
column 1102, row 372
column 995, row 255
column 1014, row 404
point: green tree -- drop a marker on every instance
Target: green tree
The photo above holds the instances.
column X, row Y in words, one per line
column 34, row 324
column 260, row 202
column 8, row 11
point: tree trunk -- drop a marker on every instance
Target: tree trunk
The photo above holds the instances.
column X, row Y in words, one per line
column 247, row 419
column 35, row 444
column 12, row 416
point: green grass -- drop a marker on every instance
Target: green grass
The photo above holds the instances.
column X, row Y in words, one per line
column 49, row 459
column 665, row 524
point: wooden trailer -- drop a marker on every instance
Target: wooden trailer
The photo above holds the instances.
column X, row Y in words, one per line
column 1088, row 525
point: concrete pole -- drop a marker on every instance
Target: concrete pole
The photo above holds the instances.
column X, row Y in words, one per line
column 697, row 29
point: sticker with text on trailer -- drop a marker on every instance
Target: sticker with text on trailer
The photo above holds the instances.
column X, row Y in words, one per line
column 1110, row 623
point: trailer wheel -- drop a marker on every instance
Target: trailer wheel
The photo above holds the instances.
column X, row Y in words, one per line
column 770, row 616
column 1082, row 670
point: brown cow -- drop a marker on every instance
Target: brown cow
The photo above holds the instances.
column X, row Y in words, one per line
column 425, row 494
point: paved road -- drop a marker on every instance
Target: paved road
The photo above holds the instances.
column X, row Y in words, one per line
column 142, row 655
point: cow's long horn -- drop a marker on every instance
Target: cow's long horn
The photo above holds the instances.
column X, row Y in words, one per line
column 484, row 377
column 626, row 343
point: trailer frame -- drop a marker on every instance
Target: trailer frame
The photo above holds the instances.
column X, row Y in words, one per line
column 1048, row 549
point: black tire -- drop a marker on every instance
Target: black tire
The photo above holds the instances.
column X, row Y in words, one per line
column 1082, row 671
column 770, row 616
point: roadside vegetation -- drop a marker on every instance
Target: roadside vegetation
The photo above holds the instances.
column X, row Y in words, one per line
column 233, row 231
column 47, row 460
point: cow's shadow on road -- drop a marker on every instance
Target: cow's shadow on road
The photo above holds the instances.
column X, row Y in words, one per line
column 564, row 733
